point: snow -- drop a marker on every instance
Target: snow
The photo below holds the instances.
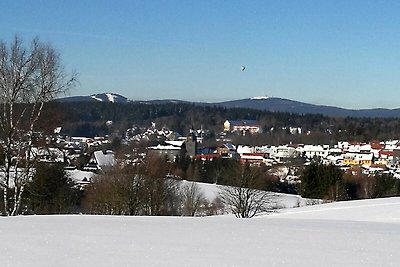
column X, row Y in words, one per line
column 79, row 176
column 357, row 233
column 209, row 191
column 111, row 97
column 96, row 98
column 377, row 210
column 259, row 98
column 175, row 143
column 164, row 147
column 104, row 158
column 278, row 200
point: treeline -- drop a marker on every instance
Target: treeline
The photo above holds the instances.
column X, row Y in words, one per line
column 330, row 183
column 152, row 187
column 144, row 188
column 88, row 119
column 224, row 172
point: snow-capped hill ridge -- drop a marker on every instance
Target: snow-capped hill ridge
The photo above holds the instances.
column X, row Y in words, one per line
column 95, row 98
column 259, row 98
column 103, row 97
column 109, row 97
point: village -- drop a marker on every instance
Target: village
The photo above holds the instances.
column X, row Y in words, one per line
column 356, row 158
column 200, row 133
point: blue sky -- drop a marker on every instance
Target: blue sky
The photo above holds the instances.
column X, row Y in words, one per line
column 340, row 52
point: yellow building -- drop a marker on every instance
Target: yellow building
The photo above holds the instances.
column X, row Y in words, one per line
column 353, row 159
column 250, row 126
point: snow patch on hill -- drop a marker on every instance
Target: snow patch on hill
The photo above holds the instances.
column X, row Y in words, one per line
column 111, row 97
column 259, row 98
column 96, row 98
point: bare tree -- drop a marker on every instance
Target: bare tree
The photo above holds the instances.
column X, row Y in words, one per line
column 137, row 189
column 160, row 194
column 245, row 199
column 118, row 191
column 30, row 76
column 192, row 197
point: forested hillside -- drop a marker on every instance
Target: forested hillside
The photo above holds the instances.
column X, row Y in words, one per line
column 89, row 119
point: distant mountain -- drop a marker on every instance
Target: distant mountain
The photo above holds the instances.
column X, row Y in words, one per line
column 104, row 97
column 272, row 104
column 166, row 101
column 275, row 104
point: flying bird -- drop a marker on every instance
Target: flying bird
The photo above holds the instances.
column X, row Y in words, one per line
column 243, row 68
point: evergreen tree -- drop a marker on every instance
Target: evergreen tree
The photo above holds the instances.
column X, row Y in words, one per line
column 51, row 191
column 322, row 181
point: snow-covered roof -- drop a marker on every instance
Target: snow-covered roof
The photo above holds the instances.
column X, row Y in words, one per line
column 49, row 154
column 358, row 156
column 228, row 146
column 175, row 143
column 244, row 149
column 164, row 147
column 80, row 176
column 104, row 158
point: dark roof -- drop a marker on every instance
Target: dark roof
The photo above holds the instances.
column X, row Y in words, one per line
column 243, row 122
column 206, row 150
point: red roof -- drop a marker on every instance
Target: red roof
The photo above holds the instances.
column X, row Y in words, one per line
column 377, row 146
column 386, row 152
column 253, row 154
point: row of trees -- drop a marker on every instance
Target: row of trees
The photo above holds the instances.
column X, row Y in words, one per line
column 329, row 182
column 139, row 189
column 142, row 189
column 224, row 172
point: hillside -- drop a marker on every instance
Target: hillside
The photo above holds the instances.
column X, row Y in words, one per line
column 360, row 233
column 89, row 119
column 274, row 104
column 104, row 97
column 271, row 104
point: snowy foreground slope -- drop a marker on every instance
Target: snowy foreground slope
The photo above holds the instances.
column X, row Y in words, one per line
column 358, row 233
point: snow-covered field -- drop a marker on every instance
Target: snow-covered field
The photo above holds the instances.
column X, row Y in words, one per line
column 358, row 233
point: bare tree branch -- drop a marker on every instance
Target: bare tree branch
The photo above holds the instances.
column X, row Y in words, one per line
column 30, row 76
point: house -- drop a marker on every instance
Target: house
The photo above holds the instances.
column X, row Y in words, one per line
column 256, row 159
column 170, row 149
column 207, row 153
column 227, row 150
column 80, row 178
column 284, row 152
column 254, row 155
column 100, row 160
column 385, row 157
column 357, row 159
column 209, row 156
column 46, row 154
column 374, row 169
column 242, row 126
column 311, row 151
